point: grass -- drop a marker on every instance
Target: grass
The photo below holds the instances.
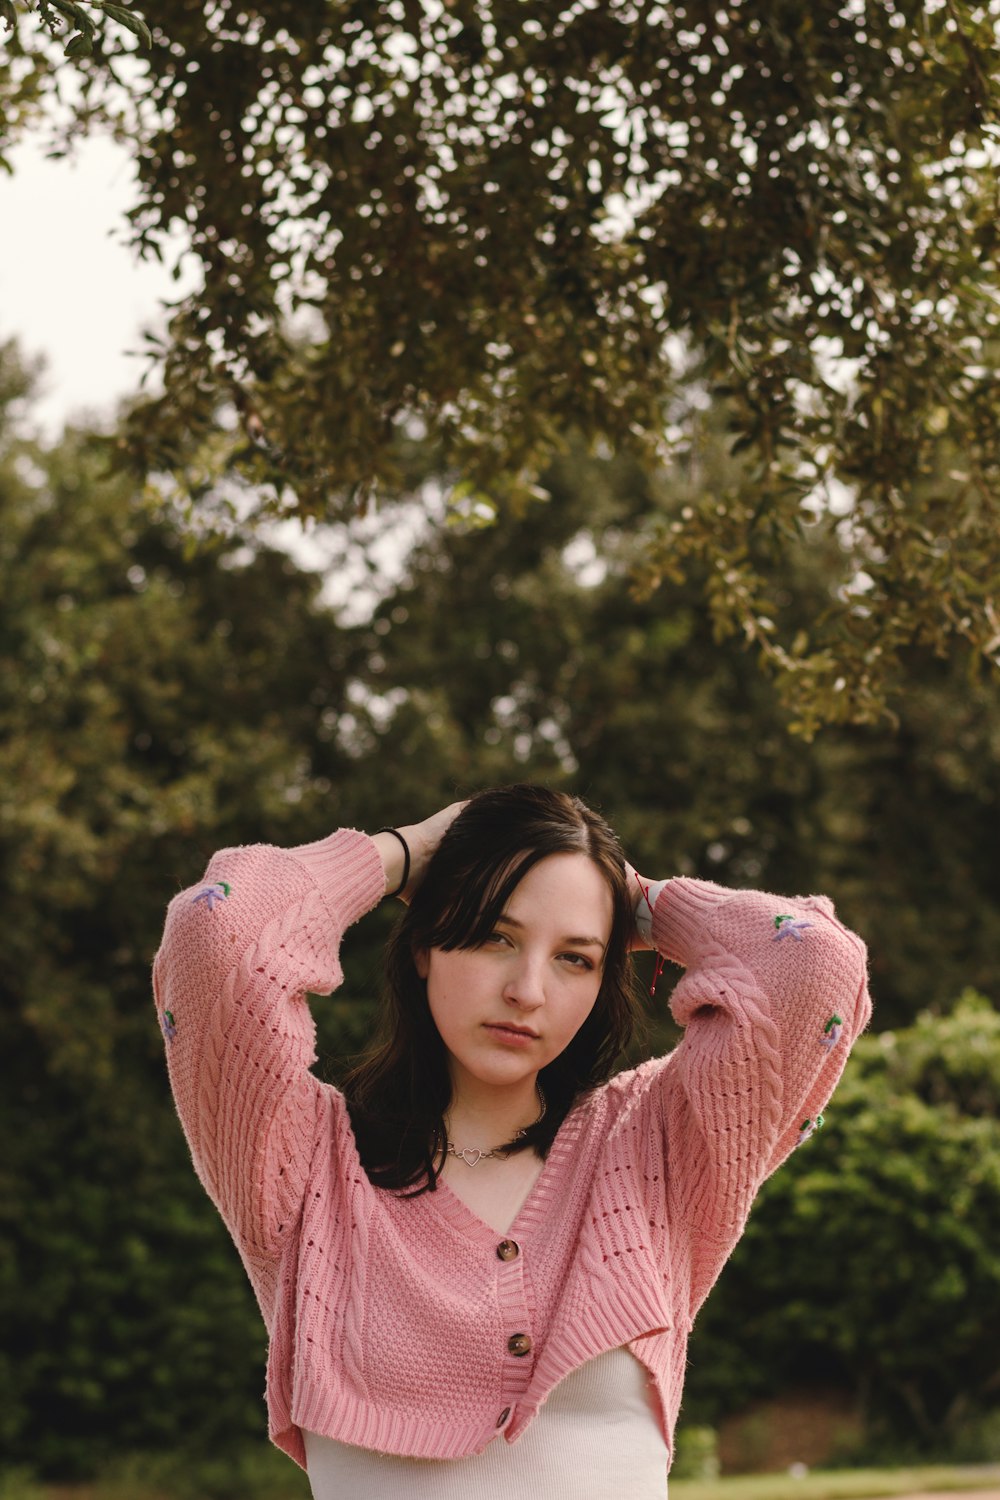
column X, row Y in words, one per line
column 842, row 1484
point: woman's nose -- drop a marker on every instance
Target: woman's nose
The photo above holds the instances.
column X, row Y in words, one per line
column 525, row 984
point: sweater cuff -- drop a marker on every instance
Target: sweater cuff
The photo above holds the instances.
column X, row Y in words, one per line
column 347, row 868
column 681, row 913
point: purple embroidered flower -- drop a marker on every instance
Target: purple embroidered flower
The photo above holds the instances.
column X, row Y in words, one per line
column 212, row 893
column 832, row 1032
column 790, row 926
column 169, row 1026
column 809, row 1127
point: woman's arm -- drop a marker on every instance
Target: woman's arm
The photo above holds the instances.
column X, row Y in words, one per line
column 240, row 951
column 773, row 997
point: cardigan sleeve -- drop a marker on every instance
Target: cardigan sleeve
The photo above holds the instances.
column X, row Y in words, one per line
column 239, row 952
column 774, row 994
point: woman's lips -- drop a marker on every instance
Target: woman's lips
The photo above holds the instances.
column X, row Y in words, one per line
column 515, row 1038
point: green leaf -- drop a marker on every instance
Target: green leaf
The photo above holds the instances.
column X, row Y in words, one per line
column 77, row 15
column 129, row 19
column 79, row 45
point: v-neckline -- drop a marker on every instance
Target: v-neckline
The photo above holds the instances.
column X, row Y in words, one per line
column 532, row 1211
column 504, row 1199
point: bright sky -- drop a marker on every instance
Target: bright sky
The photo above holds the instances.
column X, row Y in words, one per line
column 70, row 289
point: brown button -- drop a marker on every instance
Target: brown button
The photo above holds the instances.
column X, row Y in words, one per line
column 519, row 1343
column 501, row 1419
column 508, row 1250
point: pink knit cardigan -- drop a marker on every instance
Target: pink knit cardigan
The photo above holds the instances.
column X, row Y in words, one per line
column 412, row 1327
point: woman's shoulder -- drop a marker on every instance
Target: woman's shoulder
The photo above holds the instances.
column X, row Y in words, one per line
column 610, row 1102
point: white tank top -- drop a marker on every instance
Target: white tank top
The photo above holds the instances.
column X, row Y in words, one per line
column 596, row 1438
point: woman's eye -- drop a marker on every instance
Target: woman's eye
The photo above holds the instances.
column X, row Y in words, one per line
column 497, row 937
column 579, row 960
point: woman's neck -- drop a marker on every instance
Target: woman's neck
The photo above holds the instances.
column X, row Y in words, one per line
column 480, row 1120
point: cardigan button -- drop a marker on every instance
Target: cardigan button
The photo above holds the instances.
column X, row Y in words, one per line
column 501, row 1419
column 508, row 1250
column 519, row 1344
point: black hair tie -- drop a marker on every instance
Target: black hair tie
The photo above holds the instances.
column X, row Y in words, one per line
column 406, row 860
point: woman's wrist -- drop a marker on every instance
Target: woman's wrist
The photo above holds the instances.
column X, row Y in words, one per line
column 394, row 853
column 406, row 851
column 644, row 895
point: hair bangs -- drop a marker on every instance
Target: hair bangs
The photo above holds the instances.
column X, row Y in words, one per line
column 479, row 906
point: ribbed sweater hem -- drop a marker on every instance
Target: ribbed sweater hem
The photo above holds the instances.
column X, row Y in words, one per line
column 347, row 1419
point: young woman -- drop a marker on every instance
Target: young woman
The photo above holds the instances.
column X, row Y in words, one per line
column 480, row 1259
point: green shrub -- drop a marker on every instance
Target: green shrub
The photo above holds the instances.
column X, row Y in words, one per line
column 696, row 1455
column 19, row 1484
column 872, row 1258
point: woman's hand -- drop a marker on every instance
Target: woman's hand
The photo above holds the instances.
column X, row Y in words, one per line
column 638, row 885
column 421, row 839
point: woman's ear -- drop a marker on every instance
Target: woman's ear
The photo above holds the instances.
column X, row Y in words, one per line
column 422, row 961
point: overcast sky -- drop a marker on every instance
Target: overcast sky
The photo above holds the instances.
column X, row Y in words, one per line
column 70, row 289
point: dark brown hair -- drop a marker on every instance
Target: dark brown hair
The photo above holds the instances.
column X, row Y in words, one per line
column 398, row 1092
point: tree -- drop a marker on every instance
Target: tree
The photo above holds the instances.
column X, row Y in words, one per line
column 515, row 223
column 154, row 704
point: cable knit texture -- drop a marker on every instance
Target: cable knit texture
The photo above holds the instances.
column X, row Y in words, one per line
column 391, row 1321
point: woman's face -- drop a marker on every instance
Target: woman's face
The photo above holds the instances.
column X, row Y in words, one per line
column 540, row 969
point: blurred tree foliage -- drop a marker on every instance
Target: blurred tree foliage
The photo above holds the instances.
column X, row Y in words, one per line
column 85, row 24
column 159, row 700
column 519, row 222
column 872, row 1258
column 520, row 649
column 153, row 705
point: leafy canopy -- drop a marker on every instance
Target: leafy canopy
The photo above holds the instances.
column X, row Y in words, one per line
column 513, row 222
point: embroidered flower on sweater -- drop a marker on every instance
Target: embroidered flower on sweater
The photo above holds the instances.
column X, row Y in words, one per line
column 212, row 893
column 169, row 1025
column 790, row 926
column 832, row 1032
column 809, row 1127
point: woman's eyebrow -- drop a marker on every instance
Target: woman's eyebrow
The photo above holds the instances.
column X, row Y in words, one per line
column 570, row 942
